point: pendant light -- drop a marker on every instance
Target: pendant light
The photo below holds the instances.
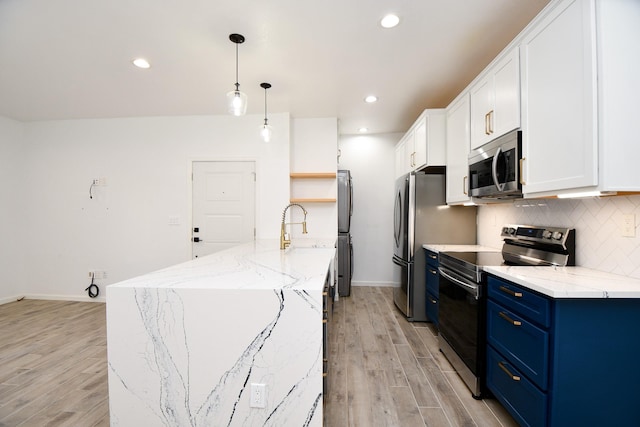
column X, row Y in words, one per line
column 236, row 100
column 266, row 131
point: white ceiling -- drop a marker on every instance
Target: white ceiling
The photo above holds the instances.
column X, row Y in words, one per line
column 70, row 59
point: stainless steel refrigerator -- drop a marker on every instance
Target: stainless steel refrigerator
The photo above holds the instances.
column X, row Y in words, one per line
column 345, row 245
column 421, row 215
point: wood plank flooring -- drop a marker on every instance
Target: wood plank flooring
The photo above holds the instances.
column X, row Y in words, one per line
column 53, row 364
column 384, row 371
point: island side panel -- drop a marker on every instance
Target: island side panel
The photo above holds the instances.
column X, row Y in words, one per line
column 188, row 356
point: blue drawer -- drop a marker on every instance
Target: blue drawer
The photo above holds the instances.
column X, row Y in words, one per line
column 432, row 308
column 520, row 300
column 526, row 345
column 524, row 401
column 432, row 258
column 433, row 280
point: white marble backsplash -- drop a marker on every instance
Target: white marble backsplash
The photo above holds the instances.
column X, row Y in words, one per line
column 598, row 223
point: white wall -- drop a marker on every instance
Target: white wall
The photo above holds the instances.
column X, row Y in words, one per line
column 314, row 148
column 12, row 225
column 598, row 223
column 124, row 230
column 371, row 159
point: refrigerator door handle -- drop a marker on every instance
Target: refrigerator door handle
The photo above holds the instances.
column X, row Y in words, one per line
column 351, row 257
column 397, row 219
column 350, row 197
column 400, row 262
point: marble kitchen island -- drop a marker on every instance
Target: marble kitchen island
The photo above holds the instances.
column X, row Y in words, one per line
column 185, row 343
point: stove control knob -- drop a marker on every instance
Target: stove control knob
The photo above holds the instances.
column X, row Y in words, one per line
column 546, row 234
column 511, row 231
column 557, row 235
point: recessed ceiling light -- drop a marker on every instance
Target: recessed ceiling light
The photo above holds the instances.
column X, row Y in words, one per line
column 141, row 63
column 390, row 21
column 370, row 99
column 363, row 130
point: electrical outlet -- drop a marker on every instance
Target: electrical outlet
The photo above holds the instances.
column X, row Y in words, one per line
column 97, row 274
column 629, row 225
column 258, row 395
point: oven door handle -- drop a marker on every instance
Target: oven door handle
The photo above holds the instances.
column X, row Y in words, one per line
column 473, row 289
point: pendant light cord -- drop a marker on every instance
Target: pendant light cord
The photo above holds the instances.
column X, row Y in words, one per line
column 237, row 84
column 265, row 106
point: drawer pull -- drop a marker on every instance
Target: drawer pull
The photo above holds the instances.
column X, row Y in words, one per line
column 509, row 319
column 433, row 272
column 504, row 368
column 432, row 256
column 432, row 301
column 510, row 292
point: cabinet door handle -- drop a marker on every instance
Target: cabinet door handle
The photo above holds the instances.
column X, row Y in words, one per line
column 464, row 185
column 510, row 292
column 490, row 122
column 486, row 124
column 432, row 301
column 433, row 272
column 509, row 319
column 504, row 368
column 522, row 172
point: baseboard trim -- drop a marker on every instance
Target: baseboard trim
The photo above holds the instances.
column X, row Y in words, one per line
column 7, row 300
column 379, row 284
column 79, row 298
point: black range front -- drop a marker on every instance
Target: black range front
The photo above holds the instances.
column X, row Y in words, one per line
column 462, row 312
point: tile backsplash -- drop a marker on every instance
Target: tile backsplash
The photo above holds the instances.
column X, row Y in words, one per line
column 598, row 223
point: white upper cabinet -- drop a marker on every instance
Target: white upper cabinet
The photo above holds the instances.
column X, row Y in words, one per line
column 580, row 68
column 424, row 143
column 401, row 165
column 458, row 143
column 495, row 100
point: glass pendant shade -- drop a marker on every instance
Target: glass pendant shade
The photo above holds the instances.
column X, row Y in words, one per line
column 236, row 103
column 266, row 132
column 236, row 100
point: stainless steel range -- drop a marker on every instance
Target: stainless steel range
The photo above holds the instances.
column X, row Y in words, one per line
column 462, row 305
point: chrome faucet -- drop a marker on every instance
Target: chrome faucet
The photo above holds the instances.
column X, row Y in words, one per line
column 285, row 239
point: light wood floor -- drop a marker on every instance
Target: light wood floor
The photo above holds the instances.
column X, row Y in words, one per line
column 53, row 364
column 384, row 370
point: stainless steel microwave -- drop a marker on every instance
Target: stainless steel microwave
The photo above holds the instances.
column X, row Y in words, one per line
column 494, row 168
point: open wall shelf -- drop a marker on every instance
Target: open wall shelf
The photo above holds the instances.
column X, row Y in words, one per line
column 302, row 176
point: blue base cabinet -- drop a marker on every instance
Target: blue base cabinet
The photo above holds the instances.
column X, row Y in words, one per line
column 433, row 286
column 563, row 362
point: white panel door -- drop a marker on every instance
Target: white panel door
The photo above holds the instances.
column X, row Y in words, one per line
column 223, row 201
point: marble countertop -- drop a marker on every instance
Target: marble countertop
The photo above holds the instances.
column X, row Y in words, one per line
column 569, row 282
column 556, row 282
column 255, row 265
column 459, row 248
